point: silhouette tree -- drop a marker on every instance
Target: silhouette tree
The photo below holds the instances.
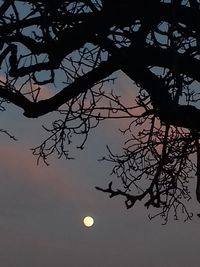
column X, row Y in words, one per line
column 76, row 47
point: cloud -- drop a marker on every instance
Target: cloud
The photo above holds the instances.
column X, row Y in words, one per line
column 21, row 176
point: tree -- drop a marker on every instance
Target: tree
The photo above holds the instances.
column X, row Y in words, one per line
column 83, row 43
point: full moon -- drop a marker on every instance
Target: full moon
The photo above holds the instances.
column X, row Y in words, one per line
column 88, row 221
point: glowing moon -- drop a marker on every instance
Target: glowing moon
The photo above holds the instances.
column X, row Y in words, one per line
column 88, row 221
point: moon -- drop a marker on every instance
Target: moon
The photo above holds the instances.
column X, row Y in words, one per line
column 88, row 221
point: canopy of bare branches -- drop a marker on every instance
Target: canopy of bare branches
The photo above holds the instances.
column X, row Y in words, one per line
column 75, row 47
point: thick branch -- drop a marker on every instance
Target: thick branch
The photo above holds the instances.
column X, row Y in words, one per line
column 80, row 85
column 165, row 108
column 165, row 58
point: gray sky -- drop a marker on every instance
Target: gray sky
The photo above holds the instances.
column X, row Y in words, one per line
column 41, row 210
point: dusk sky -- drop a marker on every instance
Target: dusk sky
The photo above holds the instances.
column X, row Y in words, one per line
column 42, row 208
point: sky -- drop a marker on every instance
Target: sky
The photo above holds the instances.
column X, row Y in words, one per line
column 42, row 208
